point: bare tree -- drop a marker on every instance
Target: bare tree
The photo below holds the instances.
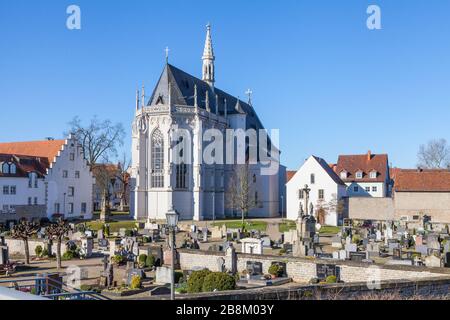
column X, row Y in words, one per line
column 24, row 230
column 57, row 231
column 434, row 155
column 105, row 177
column 123, row 177
column 240, row 191
column 99, row 139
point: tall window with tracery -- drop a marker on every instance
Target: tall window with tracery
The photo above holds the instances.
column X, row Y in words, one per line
column 181, row 171
column 157, row 156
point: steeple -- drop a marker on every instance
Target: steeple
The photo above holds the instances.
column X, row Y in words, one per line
column 208, row 59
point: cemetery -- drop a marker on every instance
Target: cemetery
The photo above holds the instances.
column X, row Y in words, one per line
column 138, row 262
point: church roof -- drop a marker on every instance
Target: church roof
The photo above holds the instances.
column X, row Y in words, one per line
column 182, row 93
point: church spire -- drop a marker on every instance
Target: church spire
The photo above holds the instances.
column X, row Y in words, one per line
column 208, row 59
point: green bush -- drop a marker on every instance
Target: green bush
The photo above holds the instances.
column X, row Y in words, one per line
column 129, row 233
column 117, row 259
column 276, row 270
column 356, row 239
column 68, row 255
column 331, row 279
column 182, row 288
column 142, row 260
column 45, row 253
column 219, row 281
column 38, row 250
column 195, row 281
column 136, row 282
column 150, row 261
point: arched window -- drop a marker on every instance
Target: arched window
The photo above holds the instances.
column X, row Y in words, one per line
column 5, row 168
column 12, row 168
column 157, row 157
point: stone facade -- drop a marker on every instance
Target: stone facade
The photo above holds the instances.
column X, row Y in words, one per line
column 371, row 208
column 434, row 204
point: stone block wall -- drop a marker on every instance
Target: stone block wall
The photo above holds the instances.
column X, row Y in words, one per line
column 16, row 247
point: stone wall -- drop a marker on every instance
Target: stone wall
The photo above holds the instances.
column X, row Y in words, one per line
column 16, row 247
column 434, row 204
column 366, row 208
column 27, row 212
column 341, row 291
column 304, row 269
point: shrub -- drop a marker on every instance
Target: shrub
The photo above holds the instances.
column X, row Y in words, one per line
column 276, row 270
column 129, row 233
column 182, row 288
column 331, row 279
column 117, row 259
column 136, row 282
column 38, row 250
column 356, row 239
column 150, row 261
column 68, row 255
column 195, row 281
column 142, row 260
column 219, row 281
column 44, row 253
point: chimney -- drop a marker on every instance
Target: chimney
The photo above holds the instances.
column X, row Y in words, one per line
column 369, row 155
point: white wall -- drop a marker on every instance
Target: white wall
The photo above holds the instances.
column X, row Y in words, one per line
column 58, row 187
column 322, row 181
column 379, row 193
column 23, row 192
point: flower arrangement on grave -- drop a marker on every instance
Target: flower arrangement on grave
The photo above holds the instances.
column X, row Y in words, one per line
column 276, row 270
column 136, row 282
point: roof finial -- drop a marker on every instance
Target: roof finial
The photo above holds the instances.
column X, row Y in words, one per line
column 208, row 59
column 137, row 99
column 249, row 93
column 167, row 50
column 195, row 96
column 217, row 104
column 143, row 96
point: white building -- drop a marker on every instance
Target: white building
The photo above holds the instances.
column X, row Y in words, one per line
column 366, row 175
column 197, row 189
column 51, row 173
column 326, row 190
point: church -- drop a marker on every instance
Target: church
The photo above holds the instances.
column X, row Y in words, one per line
column 184, row 110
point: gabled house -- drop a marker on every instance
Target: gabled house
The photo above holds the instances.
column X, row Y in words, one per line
column 326, row 190
column 365, row 175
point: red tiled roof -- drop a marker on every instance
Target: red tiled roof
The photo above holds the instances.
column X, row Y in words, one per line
column 289, row 175
column 416, row 180
column 24, row 165
column 47, row 149
column 366, row 163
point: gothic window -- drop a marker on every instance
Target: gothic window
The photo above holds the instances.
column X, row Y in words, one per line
column 157, row 141
column 181, row 172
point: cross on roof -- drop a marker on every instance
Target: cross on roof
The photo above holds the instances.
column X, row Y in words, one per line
column 167, row 53
column 249, row 94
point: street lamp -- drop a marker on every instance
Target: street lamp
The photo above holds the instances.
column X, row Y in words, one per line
column 172, row 221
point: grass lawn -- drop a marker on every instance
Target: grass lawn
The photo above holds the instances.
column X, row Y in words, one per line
column 114, row 213
column 330, row 229
column 286, row 226
column 114, row 226
column 250, row 225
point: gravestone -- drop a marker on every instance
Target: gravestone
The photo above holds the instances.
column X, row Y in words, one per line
column 100, row 234
column 252, row 246
column 378, row 236
column 422, row 249
column 103, row 244
column 433, row 261
column 357, row 256
column 397, row 254
column 325, row 270
column 254, row 267
column 4, row 256
column 130, row 273
column 336, row 242
column 266, row 242
column 122, row 232
column 392, row 246
column 87, row 245
column 163, row 275
column 433, row 242
column 352, row 247
column 216, row 233
column 419, row 240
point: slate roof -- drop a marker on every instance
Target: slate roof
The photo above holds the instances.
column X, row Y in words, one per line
column 329, row 170
column 182, row 93
column 25, row 165
column 417, row 180
column 365, row 163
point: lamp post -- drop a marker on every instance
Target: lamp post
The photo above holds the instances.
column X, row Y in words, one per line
column 172, row 221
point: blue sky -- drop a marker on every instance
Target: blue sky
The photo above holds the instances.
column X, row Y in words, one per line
column 318, row 74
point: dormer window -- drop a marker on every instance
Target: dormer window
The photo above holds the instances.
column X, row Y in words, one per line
column 373, row 175
column 344, row 175
column 5, row 168
column 359, row 175
column 12, row 168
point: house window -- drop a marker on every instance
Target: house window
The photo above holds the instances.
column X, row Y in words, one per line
column 344, row 175
column 181, row 173
column 313, row 178
column 374, row 189
column 29, row 201
column 65, row 174
column 83, row 207
column 301, row 194
column 359, row 175
column 356, row 189
column 57, row 208
column 157, row 141
column 35, row 201
column 321, row 194
column 367, row 189
column 5, row 208
column 373, row 175
column 77, row 174
column 12, row 190
column 72, row 157
column 5, row 189
column 12, row 168
column 70, row 208
column 71, row 191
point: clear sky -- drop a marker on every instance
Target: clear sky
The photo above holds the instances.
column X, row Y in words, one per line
column 331, row 85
